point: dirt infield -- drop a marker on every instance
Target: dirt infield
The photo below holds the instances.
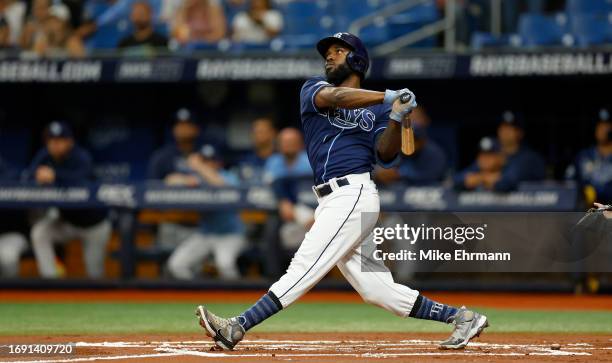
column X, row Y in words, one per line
column 322, row 347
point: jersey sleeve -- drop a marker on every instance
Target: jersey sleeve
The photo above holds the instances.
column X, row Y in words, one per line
column 308, row 93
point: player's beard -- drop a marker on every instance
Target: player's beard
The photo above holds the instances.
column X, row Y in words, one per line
column 339, row 74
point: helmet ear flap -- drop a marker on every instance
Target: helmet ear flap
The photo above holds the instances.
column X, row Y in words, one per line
column 357, row 63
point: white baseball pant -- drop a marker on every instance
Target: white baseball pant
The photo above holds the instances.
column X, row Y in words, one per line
column 52, row 229
column 336, row 238
column 12, row 246
column 188, row 258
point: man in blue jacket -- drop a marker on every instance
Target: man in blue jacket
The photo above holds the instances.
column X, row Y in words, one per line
column 61, row 163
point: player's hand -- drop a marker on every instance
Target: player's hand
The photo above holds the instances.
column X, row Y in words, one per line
column 401, row 109
column 45, row 175
column 391, row 95
column 195, row 162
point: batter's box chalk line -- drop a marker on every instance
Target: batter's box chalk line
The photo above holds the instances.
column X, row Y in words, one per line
column 319, row 348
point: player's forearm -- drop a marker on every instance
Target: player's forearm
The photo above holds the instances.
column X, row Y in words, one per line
column 346, row 97
column 389, row 143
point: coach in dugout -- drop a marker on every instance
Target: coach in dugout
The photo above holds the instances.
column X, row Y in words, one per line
column 220, row 234
column 593, row 166
column 503, row 164
column 61, row 163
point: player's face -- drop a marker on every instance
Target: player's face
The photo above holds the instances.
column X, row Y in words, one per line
column 141, row 15
column 602, row 133
column 59, row 147
column 263, row 132
column 509, row 135
column 336, row 69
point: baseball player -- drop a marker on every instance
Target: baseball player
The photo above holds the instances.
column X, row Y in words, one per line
column 347, row 130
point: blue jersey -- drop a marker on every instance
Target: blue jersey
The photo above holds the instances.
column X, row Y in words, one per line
column 340, row 141
column 593, row 168
column 222, row 222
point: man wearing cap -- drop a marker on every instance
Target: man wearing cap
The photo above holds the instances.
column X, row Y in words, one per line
column 426, row 166
column 61, row 163
column 522, row 163
column 220, row 233
column 347, row 130
column 593, row 166
column 485, row 171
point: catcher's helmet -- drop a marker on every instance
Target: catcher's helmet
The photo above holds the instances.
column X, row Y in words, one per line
column 357, row 59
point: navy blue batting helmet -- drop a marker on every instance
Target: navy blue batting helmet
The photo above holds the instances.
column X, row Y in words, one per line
column 357, row 59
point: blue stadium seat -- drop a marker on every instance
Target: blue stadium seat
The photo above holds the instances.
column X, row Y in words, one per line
column 574, row 7
column 481, row 40
column 374, row 34
column 121, row 153
column 302, row 17
column 590, row 29
column 538, row 30
column 354, row 9
column 413, row 19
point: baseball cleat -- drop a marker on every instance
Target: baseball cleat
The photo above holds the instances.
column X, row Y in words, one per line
column 225, row 332
column 468, row 324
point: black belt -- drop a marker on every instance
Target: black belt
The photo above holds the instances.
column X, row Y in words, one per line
column 326, row 189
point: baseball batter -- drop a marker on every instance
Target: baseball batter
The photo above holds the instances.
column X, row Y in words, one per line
column 347, row 130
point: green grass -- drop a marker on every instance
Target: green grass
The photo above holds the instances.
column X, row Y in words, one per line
column 136, row 318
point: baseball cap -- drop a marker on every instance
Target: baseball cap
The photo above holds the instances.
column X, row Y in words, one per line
column 58, row 129
column 487, row 144
column 511, row 118
column 184, row 115
column 604, row 116
column 209, row 151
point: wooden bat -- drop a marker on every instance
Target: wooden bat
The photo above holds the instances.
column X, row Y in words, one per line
column 407, row 131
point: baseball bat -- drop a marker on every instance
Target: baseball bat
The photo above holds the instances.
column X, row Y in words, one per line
column 407, row 131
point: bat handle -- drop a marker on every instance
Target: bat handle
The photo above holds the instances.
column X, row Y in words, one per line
column 405, row 97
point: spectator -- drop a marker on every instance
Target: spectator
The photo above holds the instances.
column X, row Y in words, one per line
column 220, row 233
column 522, row 163
column 61, row 163
column 13, row 226
column 283, row 170
column 259, row 24
column 49, row 33
column 263, row 135
column 593, row 166
column 5, row 35
column 144, row 40
column 485, row 172
column 427, row 165
column 200, row 21
column 13, row 12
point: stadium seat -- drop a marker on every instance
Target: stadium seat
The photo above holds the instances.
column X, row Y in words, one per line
column 574, row 7
column 413, row 19
column 356, row 8
column 590, row 29
column 539, row 30
column 302, row 17
column 481, row 40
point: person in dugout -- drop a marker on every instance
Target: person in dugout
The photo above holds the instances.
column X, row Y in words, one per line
column 61, row 163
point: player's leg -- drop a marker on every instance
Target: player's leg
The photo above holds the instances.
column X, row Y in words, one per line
column 336, row 231
column 374, row 282
column 188, row 256
column 12, row 245
column 227, row 248
column 95, row 239
column 44, row 233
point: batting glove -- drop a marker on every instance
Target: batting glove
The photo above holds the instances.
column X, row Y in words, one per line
column 391, row 95
column 401, row 109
